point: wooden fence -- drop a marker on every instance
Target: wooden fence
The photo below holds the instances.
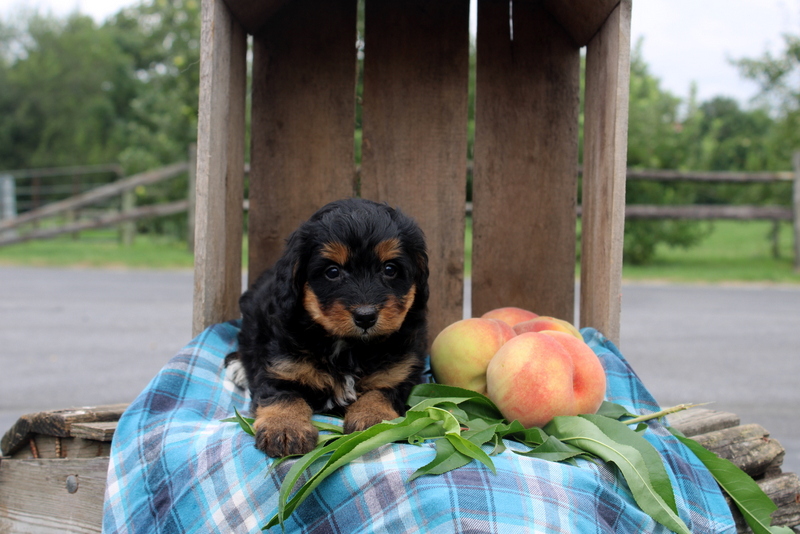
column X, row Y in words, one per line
column 129, row 212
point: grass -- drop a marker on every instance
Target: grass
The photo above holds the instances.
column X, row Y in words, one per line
column 734, row 252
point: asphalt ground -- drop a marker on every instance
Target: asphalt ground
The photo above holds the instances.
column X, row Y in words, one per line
column 79, row 337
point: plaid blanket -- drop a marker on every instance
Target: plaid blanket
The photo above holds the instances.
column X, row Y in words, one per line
column 175, row 468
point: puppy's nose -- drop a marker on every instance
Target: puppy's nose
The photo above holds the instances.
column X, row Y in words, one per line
column 365, row 316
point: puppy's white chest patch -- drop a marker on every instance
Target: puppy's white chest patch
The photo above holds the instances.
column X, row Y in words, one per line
column 344, row 393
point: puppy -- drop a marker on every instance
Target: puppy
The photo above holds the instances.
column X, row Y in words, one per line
column 338, row 325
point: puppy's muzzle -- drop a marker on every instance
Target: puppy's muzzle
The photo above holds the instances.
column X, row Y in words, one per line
column 365, row 317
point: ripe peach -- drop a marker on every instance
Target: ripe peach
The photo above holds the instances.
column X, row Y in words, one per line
column 544, row 322
column 509, row 315
column 589, row 378
column 535, row 377
column 461, row 352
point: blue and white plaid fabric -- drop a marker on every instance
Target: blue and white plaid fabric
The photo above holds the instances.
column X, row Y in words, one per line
column 175, row 468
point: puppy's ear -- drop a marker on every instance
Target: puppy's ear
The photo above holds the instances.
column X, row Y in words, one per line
column 422, row 273
column 290, row 270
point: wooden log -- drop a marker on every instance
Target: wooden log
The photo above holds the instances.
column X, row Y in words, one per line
column 56, row 423
column 304, row 75
column 109, row 219
column 526, row 154
column 698, row 421
column 707, row 176
column 784, row 491
column 604, row 159
column 749, row 447
column 701, row 212
column 414, row 147
column 52, row 496
column 98, row 193
column 220, row 167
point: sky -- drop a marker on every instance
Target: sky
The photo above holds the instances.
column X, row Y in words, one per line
column 684, row 42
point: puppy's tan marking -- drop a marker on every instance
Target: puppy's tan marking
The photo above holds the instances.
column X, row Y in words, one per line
column 369, row 409
column 388, row 249
column 336, row 252
column 389, row 378
column 336, row 319
column 285, row 428
column 302, row 372
column 392, row 315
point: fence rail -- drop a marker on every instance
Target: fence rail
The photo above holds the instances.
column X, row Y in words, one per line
column 124, row 186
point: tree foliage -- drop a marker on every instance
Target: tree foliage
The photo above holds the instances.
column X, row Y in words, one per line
column 73, row 92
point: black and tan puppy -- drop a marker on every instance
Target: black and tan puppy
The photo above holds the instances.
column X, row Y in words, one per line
column 338, row 325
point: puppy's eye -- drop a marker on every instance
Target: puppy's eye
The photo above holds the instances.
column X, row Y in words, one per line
column 333, row 272
column 390, row 270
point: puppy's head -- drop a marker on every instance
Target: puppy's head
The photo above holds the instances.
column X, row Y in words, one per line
column 359, row 268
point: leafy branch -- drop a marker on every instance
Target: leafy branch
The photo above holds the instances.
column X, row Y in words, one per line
column 461, row 423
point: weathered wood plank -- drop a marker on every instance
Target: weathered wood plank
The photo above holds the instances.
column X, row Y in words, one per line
column 702, row 420
column 220, row 167
column 252, row 14
column 749, row 447
column 56, row 423
column 414, row 150
column 783, row 489
column 94, row 431
column 304, row 65
column 604, row 159
column 526, row 154
column 580, row 18
column 52, row 496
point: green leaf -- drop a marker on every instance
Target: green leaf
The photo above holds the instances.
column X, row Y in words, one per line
column 342, row 451
column 447, row 458
column 245, row 422
column 750, row 499
column 468, row 448
column 613, row 410
column 584, row 434
column 473, row 403
column 336, row 429
column 553, row 450
column 621, row 433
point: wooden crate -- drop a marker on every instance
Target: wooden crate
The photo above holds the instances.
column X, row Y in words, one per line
column 53, row 470
column 414, row 144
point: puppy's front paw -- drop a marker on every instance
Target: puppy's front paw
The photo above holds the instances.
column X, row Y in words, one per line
column 369, row 409
column 285, row 428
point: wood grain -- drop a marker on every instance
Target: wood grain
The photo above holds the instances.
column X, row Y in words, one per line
column 34, row 495
column 580, row 18
column 604, row 159
column 304, row 65
column 414, row 148
column 526, row 157
column 220, row 167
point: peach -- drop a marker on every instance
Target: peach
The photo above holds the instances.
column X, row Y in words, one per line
column 461, row 352
column 544, row 322
column 533, row 378
column 509, row 315
column 589, row 378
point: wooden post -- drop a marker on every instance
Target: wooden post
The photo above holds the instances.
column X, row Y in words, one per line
column 191, row 195
column 304, row 77
column 220, row 167
column 8, row 203
column 414, row 149
column 796, row 209
column 526, row 159
column 604, row 160
column 127, row 229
